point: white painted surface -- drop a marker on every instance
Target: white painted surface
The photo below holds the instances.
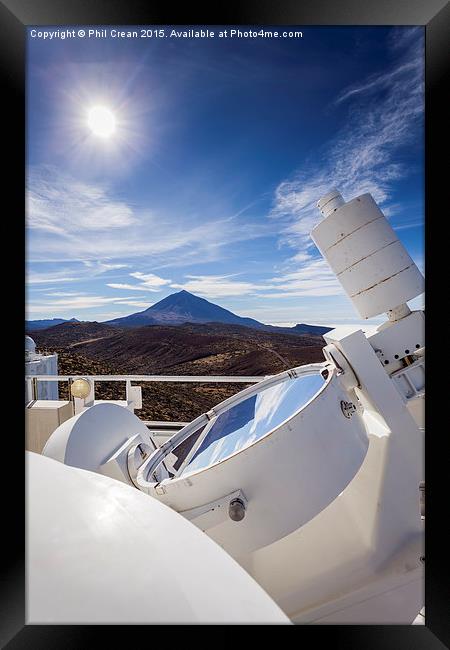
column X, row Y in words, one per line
column 330, row 202
column 99, row 551
column 88, row 439
column 397, row 340
column 364, row 252
column 288, row 476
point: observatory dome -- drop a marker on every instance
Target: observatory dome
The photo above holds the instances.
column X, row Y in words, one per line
column 30, row 345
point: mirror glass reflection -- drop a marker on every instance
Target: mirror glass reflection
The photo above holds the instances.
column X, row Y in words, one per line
column 248, row 421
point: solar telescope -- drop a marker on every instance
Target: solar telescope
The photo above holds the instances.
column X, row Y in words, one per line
column 310, row 479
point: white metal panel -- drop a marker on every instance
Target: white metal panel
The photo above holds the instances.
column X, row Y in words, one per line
column 134, row 397
column 345, row 219
column 359, row 244
column 330, row 202
column 369, row 260
column 388, row 601
column 88, row 439
column 395, row 342
column 390, row 293
column 375, row 268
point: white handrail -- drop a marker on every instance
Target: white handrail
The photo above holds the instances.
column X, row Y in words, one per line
column 226, row 379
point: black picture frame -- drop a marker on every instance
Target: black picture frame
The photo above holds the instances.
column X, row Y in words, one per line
column 15, row 17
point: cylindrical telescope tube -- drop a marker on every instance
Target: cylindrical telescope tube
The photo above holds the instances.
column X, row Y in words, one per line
column 365, row 254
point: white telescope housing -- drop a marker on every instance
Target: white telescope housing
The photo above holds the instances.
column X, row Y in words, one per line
column 268, row 445
column 108, row 439
column 365, row 254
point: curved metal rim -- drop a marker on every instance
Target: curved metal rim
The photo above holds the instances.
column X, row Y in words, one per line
column 154, row 461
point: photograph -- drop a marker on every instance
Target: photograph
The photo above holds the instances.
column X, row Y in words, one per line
column 225, row 324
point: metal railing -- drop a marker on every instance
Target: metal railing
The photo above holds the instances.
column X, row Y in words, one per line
column 223, row 379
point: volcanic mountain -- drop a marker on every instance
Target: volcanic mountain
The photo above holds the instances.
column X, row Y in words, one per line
column 185, row 307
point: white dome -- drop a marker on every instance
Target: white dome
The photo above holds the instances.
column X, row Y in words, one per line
column 88, row 439
column 30, row 345
column 100, row 551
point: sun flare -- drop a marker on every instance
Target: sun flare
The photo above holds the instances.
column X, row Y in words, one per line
column 101, row 121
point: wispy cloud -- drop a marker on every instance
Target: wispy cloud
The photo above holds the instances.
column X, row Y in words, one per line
column 80, row 270
column 377, row 82
column 363, row 155
column 134, row 303
column 151, row 281
column 74, row 302
column 98, row 266
column 313, row 278
column 64, row 294
column 410, row 224
column 148, row 282
column 90, row 222
column 52, row 276
column 60, row 204
column 214, row 286
column 127, row 287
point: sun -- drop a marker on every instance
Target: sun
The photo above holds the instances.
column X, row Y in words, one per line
column 101, row 121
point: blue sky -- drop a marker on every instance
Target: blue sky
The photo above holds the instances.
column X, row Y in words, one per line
column 210, row 181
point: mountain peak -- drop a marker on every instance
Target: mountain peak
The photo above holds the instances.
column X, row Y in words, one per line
column 183, row 293
column 183, row 307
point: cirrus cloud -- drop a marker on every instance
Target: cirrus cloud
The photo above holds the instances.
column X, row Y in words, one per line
column 363, row 156
column 214, row 286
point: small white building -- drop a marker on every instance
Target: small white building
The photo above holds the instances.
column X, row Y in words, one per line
column 40, row 364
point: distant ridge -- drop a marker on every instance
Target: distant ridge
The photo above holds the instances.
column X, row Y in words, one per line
column 310, row 329
column 190, row 348
column 180, row 308
column 46, row 322
column 185, row 307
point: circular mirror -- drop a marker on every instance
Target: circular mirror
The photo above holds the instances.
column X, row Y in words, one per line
column 245, row 422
